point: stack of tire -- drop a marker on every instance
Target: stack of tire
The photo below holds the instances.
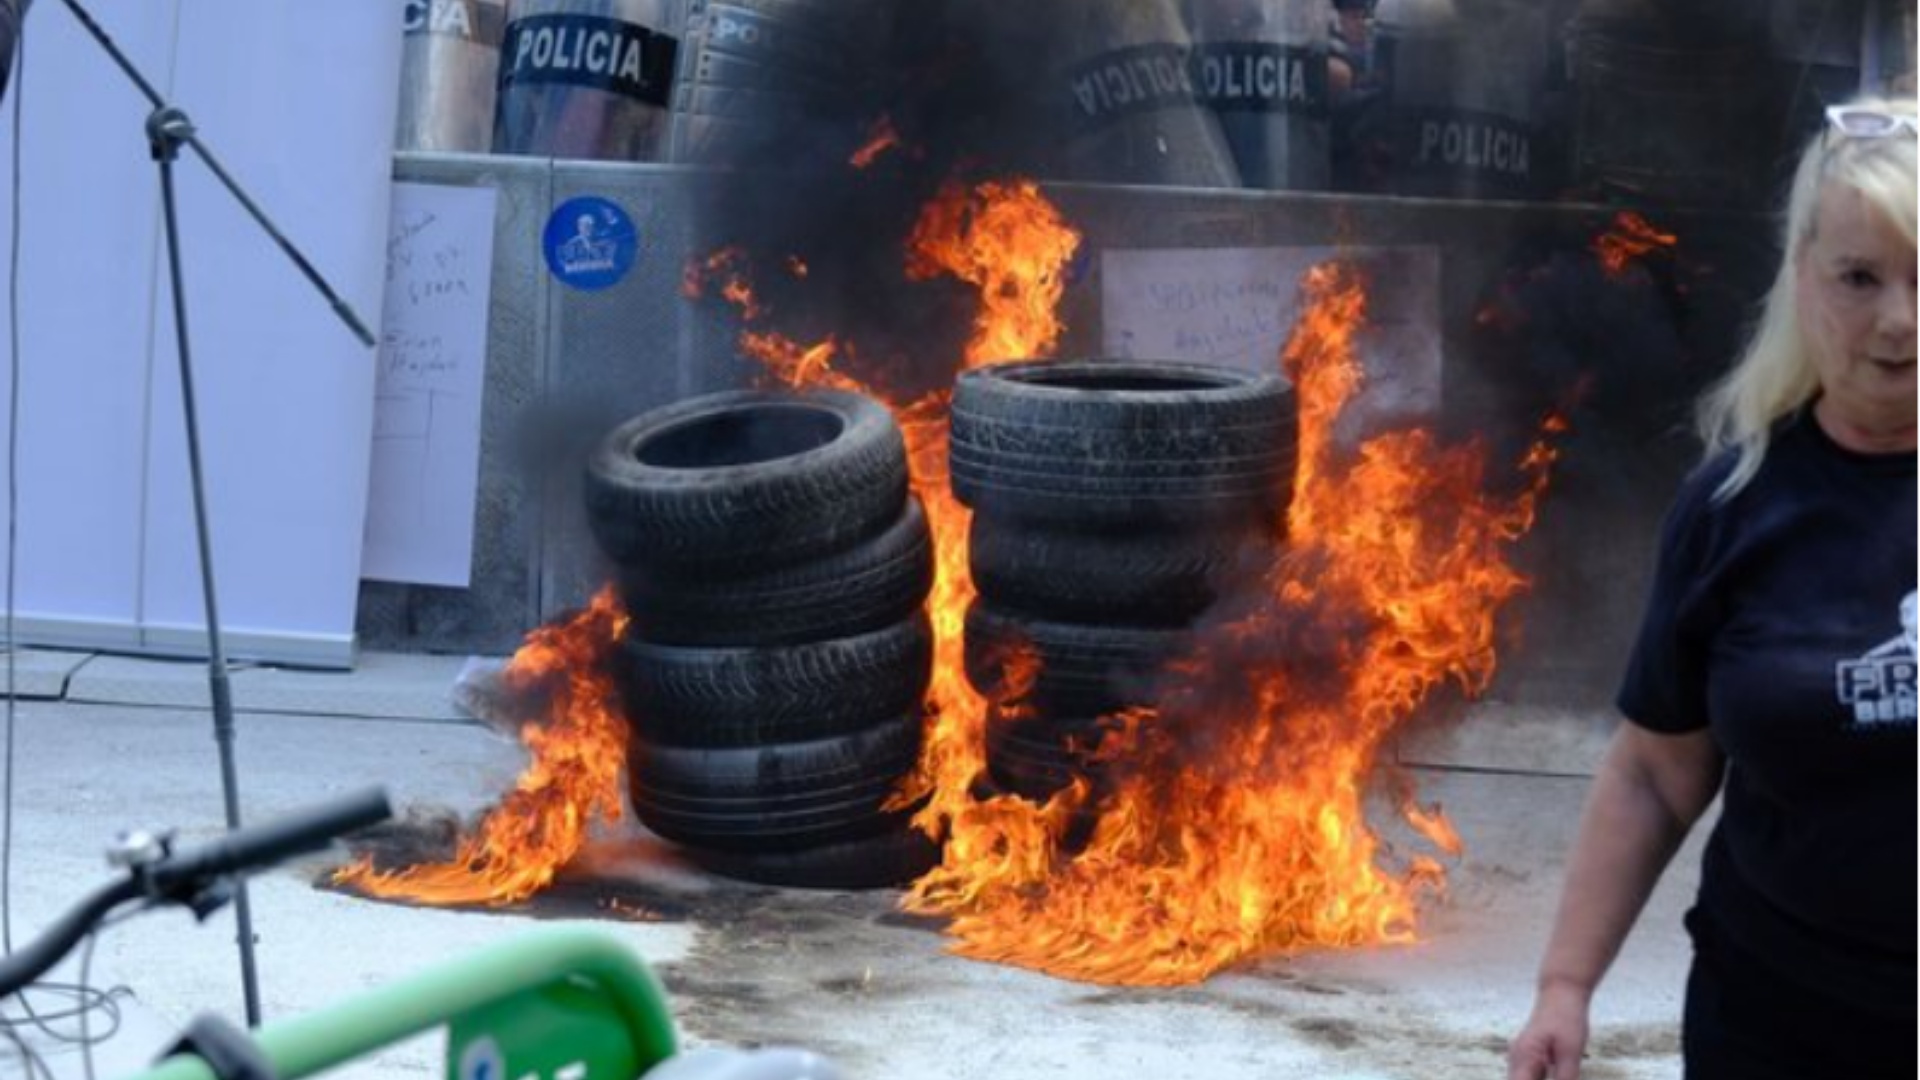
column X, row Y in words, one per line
column 1115, row 502
column 775, row 569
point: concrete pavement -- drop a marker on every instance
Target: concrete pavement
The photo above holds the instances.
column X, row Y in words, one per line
column 107, row 743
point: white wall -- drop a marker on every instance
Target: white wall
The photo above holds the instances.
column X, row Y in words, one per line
column 297, row 101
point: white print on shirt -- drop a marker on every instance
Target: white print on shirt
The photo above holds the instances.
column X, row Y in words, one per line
column 1879, row 687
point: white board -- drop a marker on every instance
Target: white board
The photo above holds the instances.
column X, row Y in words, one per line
column 84, row 373
column 429, row 386
column 299, row 105
column 1236, row 307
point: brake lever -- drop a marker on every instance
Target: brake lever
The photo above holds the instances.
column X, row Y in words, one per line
column 217, row 894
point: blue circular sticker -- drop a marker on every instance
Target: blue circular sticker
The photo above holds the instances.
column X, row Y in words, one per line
column 590, row 243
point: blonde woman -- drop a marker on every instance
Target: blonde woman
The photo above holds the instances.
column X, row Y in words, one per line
column 1763, row 673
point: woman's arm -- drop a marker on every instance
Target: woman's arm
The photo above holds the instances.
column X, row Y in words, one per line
column 1649, row 791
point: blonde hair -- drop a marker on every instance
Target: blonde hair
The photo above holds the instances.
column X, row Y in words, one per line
column 1776, row 375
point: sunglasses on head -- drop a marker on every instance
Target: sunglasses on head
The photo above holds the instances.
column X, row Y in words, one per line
column 1858, row 122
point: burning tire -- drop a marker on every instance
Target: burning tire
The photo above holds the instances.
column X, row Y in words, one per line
column 1088, row 443
column 1085, row 669
column 776, row 795
column 773, row 672
column 875, row 583
column 888, row 859
column 1139, row 577
column 1035, row 758
column 772, row 478
column 1115, row 501
column 755, row 697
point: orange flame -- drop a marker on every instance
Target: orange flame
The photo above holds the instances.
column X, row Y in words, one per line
column 1434, row 825
column 1239, row 827
column 880, row 138
column 953, row 755
column 797, row 365
column 572, row 782
column 1009, row 241
column 727, row 267
column 1012, row 244
column 1630, row 238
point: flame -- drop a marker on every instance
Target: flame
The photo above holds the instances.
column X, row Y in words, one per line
column 1235, row 824
column 1008, row 241
column 1011, row 243
column 1630, row 238
column 572, row 782
column 796, row 365
column 1238, row 826
column 880, row 138
column 727, row 267
column 1434, row 825
column 574, row 777
column 953, row 755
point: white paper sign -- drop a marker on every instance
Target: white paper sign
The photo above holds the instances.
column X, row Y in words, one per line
column 1236, row 307
column 430, row 383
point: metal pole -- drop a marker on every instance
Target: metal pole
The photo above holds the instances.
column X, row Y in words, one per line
column 167, row 128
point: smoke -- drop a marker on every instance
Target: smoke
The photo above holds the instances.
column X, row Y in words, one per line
column 924, row 93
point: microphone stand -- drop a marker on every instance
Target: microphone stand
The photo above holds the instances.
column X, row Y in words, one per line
column 168, row 129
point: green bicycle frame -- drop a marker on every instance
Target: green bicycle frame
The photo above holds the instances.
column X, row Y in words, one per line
column 558, row 1004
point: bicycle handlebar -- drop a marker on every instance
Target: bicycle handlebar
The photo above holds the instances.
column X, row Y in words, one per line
column 30, row 961
column 264, row 845
column 182, row 876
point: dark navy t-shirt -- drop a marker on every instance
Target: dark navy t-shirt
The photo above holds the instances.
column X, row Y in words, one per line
column 1783, row 620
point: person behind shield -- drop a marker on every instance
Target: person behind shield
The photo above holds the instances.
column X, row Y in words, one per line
column 1786, row 559
column 10, row 12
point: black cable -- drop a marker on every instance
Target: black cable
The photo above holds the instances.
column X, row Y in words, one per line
column 27, row 1055
column 86, row 967
column 87, row 1001
column 13, row 492
column 103, row 1000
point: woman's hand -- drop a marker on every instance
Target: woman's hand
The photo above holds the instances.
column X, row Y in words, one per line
column 1549, row 1047
column 1649, row 791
